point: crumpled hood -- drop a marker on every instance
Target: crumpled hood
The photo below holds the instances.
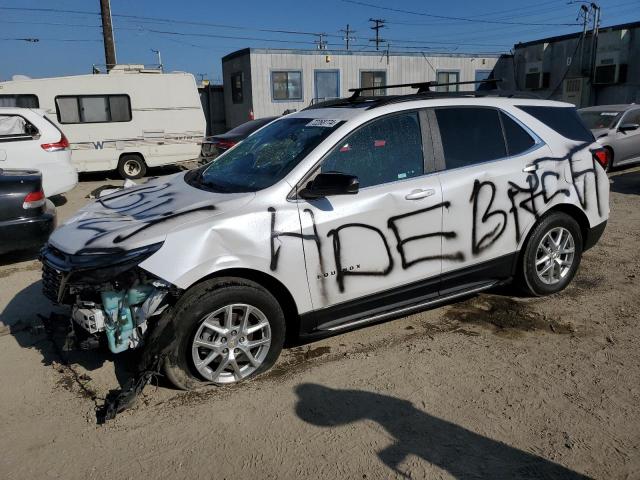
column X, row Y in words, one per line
column 141, row 215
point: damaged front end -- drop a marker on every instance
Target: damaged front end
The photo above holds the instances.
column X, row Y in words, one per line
column 109, row 294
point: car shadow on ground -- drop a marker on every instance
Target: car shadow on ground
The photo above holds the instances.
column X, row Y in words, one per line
column 113, row 175
column 38, row 324
column 626, row 183
column 461, row 452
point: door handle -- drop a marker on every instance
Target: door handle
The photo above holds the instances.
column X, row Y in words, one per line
column 419, row 193
column 532, row 167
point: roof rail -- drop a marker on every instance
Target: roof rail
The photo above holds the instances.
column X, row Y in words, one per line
column 421, row 86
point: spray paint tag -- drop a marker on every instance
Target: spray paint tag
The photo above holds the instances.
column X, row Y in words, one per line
column 322, row 122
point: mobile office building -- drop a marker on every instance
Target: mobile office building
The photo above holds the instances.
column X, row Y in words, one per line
column 127, row 119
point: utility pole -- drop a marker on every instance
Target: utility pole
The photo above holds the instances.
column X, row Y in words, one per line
column 379, row 23
column 584, row 13
column 347, row 35
column 322, row 45
column 594, row 40
column 107, row 33
column 157, row 52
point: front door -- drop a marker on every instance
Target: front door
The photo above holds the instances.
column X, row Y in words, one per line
column 386, row 236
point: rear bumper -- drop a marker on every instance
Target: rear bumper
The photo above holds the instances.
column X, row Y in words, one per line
column 593, row 235
column 27, row 233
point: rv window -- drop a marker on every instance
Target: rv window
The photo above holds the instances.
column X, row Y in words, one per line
column 93, row 108
column 23, row 101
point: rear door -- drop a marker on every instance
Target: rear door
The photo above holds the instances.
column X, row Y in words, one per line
column 492, row 187
column 388, row 235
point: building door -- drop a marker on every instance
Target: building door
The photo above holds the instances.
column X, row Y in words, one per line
column 327, row 84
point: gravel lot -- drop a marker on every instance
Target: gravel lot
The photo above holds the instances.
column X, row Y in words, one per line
column 495, row 386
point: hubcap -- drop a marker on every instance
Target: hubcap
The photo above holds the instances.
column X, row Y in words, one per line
column 231, row 343
column 132, row 167
column 555, row 255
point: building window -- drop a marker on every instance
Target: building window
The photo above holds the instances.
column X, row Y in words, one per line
column 93, row 108
column 327, row 84
column 286, row 85
column 22, row 101
column 448, row 76
column 375, row 78
column 237, row 95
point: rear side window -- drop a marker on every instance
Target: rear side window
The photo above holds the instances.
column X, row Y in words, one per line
column 470, row 135
column 518, row 140
column 385, row 150
column 564, row 120
column 22, row 101
column 93, row 108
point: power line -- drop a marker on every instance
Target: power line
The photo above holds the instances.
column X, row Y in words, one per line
column 444, row 17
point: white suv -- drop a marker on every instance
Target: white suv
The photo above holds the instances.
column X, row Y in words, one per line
column 29, row 140
column 329, row 219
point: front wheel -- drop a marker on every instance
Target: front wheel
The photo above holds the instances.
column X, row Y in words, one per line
column 226, row 330
column 552, row 255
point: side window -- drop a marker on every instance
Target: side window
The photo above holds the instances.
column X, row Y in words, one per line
column 632, row 117
column 14, row 127
column 564, row 120
column 470, row 135
column 20, row 100
column 93, row 108
column 383, row 151
column 518, row 140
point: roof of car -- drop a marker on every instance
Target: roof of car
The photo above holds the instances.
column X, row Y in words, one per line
column 610, row 108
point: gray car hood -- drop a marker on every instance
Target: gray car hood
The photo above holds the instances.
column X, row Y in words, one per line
column 141, row 215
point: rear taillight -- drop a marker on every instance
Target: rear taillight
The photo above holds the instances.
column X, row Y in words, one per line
column 602, row 156
column 34, row 200
column 224, row 144
column 62, row 144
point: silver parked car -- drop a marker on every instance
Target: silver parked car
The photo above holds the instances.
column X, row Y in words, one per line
column 617, row 128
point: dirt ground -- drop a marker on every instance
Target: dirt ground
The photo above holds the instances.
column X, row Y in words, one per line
column 495, row 386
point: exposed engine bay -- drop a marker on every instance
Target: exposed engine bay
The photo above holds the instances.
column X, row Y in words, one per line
column 112, row 300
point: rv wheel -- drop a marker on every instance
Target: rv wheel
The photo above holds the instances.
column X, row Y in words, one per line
column 131, row 166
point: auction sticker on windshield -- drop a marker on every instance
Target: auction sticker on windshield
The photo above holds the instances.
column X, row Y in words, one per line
column 322, row 122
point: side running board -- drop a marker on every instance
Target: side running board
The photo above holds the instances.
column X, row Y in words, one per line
column 410, row 309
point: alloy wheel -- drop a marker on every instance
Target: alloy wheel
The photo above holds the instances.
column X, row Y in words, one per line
column 555, row 255
column 231, row 343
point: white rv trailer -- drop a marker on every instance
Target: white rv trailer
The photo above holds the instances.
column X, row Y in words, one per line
column 127, row 119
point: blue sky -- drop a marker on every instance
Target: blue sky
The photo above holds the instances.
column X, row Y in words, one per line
column 69, row 43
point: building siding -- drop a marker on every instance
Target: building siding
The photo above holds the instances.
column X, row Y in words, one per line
column 399, row 68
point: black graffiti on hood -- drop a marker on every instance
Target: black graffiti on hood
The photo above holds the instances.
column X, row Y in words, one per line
column 141, row 207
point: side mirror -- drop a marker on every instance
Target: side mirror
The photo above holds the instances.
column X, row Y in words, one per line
column 331, row 183
column 628, row 127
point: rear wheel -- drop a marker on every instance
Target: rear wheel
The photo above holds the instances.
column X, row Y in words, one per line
column 132, row 167
column 226, row 330
column 552, row 255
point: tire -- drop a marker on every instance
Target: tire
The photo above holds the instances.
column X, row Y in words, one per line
column 187, row 321
column 534, row 279
column 132, row 167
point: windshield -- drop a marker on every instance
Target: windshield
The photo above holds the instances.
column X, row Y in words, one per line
column 599, row 118
column 266, row 156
